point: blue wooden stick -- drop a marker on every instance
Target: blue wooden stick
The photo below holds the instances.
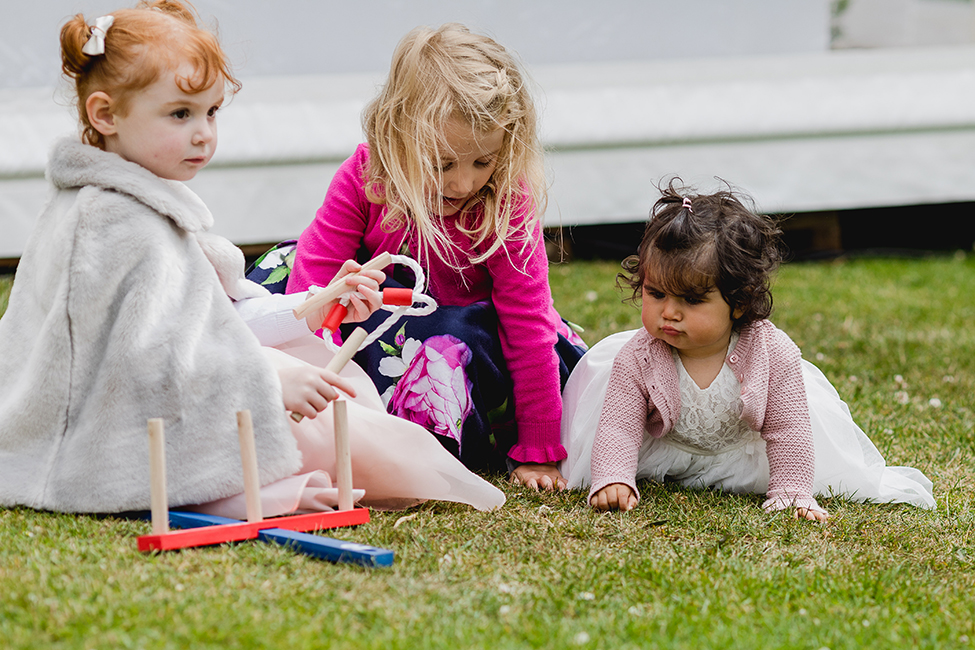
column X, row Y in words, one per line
column 334, row 550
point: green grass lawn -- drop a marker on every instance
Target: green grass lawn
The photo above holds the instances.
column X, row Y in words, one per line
column 686, row 569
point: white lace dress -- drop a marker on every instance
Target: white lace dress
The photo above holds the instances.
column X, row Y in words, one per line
column 711, row 446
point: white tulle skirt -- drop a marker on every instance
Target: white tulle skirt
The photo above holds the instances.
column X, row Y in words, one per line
column 847, row 462
column 395, row 463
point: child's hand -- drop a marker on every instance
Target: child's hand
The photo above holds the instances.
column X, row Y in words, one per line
column 810, row 514
column 615, row 496
column 538, row 476
column 308, row 389
column 365, row 283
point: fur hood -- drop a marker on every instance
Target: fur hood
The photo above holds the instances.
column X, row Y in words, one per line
column 75, row 165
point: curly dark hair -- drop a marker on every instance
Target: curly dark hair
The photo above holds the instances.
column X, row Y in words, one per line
column 719, row 242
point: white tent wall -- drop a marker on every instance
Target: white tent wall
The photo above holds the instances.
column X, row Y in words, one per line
column 631, row 92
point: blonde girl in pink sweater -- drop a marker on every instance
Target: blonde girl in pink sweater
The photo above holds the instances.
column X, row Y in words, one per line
column 453, row 176
column 709, row 393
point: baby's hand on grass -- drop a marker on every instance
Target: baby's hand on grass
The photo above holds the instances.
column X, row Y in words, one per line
column 615, row 496
column 308, row 389
column 810, row 514
column 539, row 476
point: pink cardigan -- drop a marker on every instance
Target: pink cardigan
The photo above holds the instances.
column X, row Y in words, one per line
column 515, row 281
column 644, row 393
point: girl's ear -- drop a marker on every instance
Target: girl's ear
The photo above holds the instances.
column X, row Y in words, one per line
column 100, row 115
column 736, row 314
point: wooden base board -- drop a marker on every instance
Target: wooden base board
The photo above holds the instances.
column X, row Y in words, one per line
column 201, row 530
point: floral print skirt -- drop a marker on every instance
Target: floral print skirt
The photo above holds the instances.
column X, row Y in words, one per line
column 446, row 371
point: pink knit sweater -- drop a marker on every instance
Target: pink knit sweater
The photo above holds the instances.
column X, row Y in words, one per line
column 644, row 395
column 515, row 280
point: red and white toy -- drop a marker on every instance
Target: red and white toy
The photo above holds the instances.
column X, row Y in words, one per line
column 399, row 301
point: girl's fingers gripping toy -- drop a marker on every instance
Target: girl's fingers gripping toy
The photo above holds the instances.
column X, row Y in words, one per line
column 202, row 530
column 397, row 300
column 338, row 287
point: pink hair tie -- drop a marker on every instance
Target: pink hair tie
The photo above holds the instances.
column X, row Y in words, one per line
column 687, row 204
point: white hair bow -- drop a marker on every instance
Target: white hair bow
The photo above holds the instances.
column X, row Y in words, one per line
column 96, row 43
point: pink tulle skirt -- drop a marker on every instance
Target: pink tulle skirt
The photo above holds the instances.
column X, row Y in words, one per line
column 395, row 463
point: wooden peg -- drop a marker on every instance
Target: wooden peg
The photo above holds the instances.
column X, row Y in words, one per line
column 343, row 455
column 347, row 351
column 159, row 502
column 248, row 457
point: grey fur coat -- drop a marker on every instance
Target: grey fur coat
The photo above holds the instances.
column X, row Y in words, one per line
column 119, row 313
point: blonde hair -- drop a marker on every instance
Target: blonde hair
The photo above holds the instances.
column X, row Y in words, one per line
column 141, row 44
column 438, row 75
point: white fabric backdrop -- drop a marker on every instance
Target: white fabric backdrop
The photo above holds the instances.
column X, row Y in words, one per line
column 802, row 131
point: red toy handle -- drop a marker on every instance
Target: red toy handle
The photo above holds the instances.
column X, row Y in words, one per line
column 400, row 297
column 335, row 317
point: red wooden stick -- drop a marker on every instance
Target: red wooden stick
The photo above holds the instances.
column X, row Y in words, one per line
column 244, row 530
